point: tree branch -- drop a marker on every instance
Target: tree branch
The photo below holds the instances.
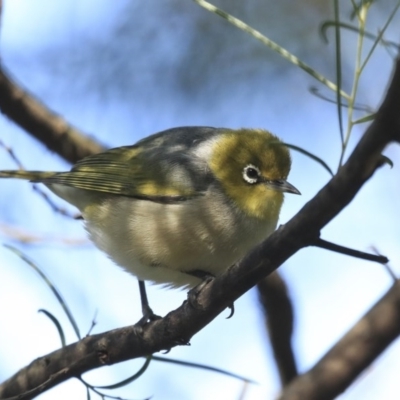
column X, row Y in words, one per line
column 352, row 354
column 46, row 126
column 180, row 325
column 278, row 314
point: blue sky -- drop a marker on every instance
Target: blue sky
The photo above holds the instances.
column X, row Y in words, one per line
column 118, row 87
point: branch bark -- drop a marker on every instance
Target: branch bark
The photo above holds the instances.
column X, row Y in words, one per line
column 278, row 313
column 180, row 325
column 352, row 354
column 48, row 127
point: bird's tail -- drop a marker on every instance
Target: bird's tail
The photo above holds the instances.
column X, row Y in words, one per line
column 34, row 176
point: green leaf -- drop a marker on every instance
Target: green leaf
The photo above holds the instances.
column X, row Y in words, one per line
column 367, row 118
column 271, row 44
column 328, row 24
column 338, row 59
column 359, row 107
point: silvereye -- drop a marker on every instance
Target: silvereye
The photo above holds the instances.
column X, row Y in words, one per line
column 179, row 205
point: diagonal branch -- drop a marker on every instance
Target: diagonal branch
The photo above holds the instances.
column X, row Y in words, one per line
column 181, row 324
column 352, row 354
column 48, row 127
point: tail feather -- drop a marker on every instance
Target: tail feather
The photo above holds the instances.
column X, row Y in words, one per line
column 34, row 176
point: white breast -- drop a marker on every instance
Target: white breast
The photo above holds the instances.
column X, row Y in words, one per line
column 159, row 242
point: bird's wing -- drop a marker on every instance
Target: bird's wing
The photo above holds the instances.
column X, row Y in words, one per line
column 137, row 171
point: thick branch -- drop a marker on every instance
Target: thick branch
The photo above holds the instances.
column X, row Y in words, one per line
column 352, row 354
column 278, row 312
column 46, row 126
column 180, row 325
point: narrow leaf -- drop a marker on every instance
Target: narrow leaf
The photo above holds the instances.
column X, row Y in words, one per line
column 202, row 366
column 55, row 291
column 310, row 155
column 56, row 322
column 271, row 44
column 130, row 379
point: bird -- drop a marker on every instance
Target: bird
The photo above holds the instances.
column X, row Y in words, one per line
column 179, row 206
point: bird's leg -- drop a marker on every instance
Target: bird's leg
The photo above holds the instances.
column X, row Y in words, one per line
column 147, row 312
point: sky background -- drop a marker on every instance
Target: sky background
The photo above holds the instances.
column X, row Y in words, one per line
column 120, row 71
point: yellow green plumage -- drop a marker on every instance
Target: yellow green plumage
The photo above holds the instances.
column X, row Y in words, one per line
column 182, row 200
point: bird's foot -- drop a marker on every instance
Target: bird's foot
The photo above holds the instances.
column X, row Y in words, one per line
column 194, row 293
column 147, row 312
column 148, row 316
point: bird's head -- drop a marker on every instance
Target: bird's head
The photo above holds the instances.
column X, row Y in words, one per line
column 252, row 167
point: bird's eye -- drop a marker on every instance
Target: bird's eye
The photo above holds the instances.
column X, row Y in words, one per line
column 251, row 174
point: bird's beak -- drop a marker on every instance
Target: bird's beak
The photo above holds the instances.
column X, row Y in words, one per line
column 282, row 186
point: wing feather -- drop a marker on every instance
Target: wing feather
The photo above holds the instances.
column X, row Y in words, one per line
column 143, row 170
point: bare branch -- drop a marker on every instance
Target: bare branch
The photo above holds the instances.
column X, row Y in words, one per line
column 278, row 310
column 352, row 354
column 180, row 325
column 46, row 126
column 22, row 235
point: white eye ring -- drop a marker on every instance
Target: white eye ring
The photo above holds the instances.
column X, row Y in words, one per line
column 251, row 174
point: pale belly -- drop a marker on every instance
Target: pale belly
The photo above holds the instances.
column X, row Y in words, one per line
column 165, row 243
